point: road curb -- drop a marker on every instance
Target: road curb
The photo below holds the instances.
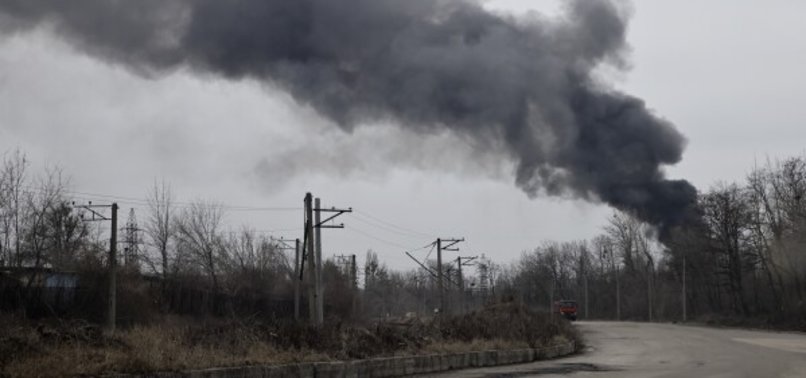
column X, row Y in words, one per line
column 378, row 367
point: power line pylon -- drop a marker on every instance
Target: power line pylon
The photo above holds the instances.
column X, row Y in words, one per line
column 345, row 264
column 483, row 269
column 132, row 241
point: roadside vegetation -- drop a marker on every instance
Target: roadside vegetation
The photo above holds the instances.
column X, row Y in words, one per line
column 49, row 348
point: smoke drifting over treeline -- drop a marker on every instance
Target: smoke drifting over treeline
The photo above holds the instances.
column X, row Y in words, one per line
column 520, row 86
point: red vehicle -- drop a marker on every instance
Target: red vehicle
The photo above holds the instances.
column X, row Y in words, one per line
column 566, row 308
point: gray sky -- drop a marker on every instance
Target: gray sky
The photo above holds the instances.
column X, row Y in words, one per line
column 728, row 74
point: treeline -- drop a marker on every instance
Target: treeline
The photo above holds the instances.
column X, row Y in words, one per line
column 744, row 257
column 181, row 257
column 741, row 258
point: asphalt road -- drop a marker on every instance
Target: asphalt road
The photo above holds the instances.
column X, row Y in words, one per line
column 626, row 349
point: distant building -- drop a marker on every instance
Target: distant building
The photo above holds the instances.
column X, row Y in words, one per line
column 39, row 277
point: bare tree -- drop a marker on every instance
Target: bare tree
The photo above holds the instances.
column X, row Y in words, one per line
column 15, row 197
column 160, row 226
column 68, row 235
column 624, row 233
column 199, row 235
column 37, row 240
column 727, row 212
column 255, row 262
column 778, row 195
column 377, row 296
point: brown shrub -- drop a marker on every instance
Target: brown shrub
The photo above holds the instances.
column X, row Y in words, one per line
column 78, row 348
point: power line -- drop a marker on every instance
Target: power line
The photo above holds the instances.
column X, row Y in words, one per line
column 430, row 251
column 387, row 229
column 264, row 231
column 405, row 248
column 145, row 201
column 407, row 230
column 88, row 196
column 377, row 238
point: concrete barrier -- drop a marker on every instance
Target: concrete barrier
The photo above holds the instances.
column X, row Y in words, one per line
column 379, row 367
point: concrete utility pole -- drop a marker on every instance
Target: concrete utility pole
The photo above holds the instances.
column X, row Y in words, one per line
column 320, row 316
column 585, row 267
column 317, row 301
column 551, row 296
column 459, row 263
column 612, row 256
column 111, row 296
column 111, row 309
column 461, row 284
column 353, row 273
column 440, row 275
column 683, row 294
column 282, row 245
column 618, row 295
column 347, row 265
column 586, row 295
column 310, row 256
column 461, row 279
column 440, row 285
column 649, row 292
column 296, row 279
column 354, row 284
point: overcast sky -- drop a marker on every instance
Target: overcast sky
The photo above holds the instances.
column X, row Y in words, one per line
column 729, row 74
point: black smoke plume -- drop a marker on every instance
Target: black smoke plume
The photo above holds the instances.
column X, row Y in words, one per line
column 523, row 86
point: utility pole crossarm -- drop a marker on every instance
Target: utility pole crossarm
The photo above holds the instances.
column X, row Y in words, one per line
column 96, row 216
column 451, row 243
column 468, row 261
column 282, row 244
column 337, row 213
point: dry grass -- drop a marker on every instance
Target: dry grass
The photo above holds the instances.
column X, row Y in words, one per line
column 141, row 349
column 77, row 348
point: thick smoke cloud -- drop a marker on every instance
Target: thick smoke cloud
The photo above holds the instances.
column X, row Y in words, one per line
column 521, row 86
